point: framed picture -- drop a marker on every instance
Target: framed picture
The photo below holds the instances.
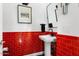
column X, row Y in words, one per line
column 24, row 14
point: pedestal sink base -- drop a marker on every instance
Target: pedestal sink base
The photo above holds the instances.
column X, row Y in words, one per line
column 47, row 40
column 47, row 50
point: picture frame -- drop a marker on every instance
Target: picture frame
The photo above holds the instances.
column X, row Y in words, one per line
column 24, row 14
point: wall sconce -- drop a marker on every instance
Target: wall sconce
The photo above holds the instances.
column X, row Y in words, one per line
column 64, row 8
column 25, row 3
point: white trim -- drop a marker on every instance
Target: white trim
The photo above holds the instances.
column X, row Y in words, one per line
column 35, row 54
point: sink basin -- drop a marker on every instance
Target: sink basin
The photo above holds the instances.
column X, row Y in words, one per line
column 47, row 38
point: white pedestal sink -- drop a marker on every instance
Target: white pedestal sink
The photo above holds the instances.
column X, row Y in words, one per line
column 47, row 40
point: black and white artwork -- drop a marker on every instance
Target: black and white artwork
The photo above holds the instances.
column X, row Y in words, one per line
column 24, row 14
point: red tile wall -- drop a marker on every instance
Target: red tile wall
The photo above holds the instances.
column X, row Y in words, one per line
column 30, row 43
column 67, row 45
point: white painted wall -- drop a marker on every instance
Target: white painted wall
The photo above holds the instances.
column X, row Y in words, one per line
column 10, row 18
column 38, row 16
column 10, row 23
column 0, row 28
column 69, row 24
column 0, row 21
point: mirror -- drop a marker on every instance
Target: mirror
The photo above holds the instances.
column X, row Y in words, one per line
column 51, row 10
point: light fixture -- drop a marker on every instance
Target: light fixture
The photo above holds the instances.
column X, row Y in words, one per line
column 25, row 3
column 65, row 8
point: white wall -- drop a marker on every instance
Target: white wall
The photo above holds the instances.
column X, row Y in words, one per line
column 69, row 24
column 10, row 18
column 10, row 23
column 38, row 16
column 0, row 22
column 0, row 28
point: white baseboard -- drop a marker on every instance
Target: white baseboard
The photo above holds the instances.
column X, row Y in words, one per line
column 35, row 54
